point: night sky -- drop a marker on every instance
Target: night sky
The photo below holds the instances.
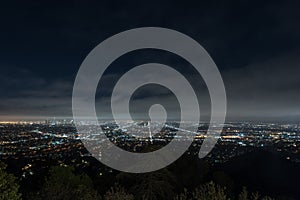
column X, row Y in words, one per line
column 255, row 44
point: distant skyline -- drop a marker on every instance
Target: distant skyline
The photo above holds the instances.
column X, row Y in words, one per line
column 255, row 44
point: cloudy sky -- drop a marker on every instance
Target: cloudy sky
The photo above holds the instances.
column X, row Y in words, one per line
column 255, row 44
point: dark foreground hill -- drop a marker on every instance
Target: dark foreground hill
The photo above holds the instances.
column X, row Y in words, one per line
column 265, row 171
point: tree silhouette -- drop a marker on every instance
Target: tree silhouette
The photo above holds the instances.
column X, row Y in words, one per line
column 244, row 195
column 152, row 185
column 209, row 191
column 9, row 189
column 117, row 193
column 64, row 184
column 182, row 196
column 222, row 179
column 212, row 191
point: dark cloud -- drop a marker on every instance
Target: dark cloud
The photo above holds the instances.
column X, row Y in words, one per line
column 267, row 89
column 255, row 44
